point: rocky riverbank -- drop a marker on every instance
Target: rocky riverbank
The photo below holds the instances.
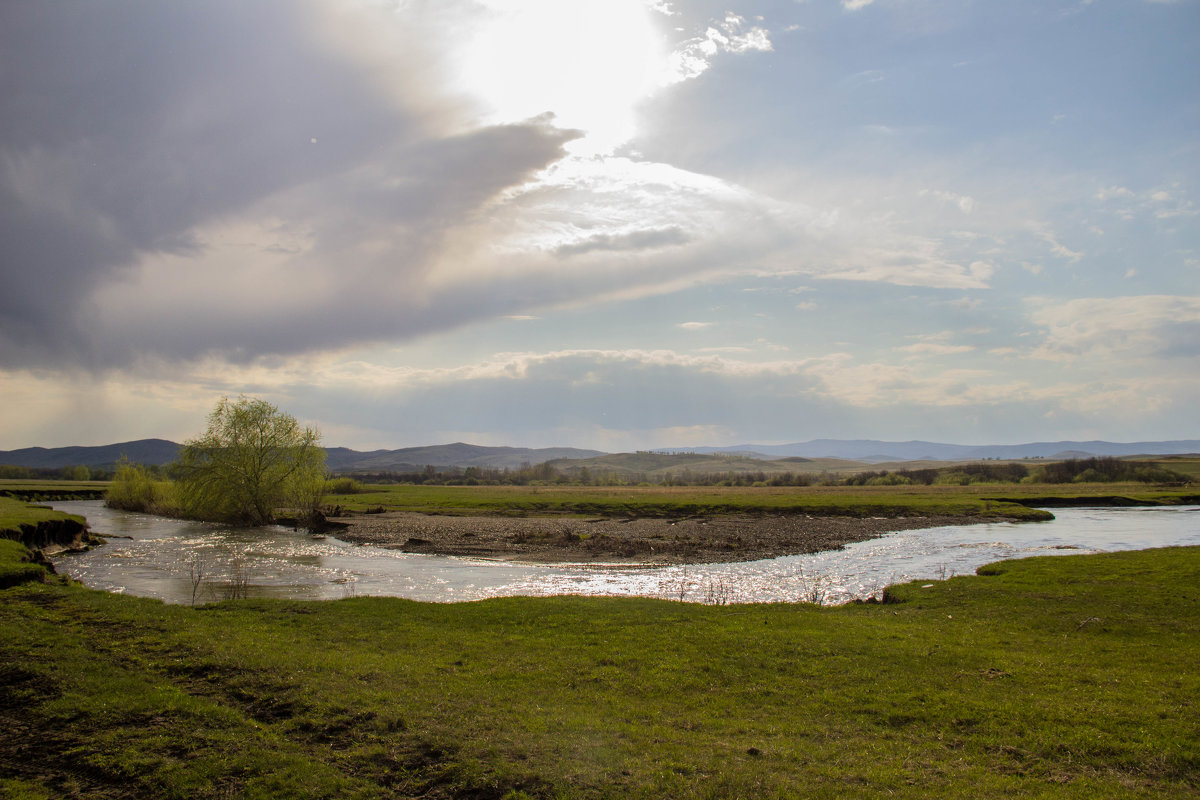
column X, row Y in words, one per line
column 550, row 540
column 53, row 536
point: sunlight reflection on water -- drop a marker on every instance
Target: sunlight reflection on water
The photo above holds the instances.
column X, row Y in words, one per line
column 158, row 558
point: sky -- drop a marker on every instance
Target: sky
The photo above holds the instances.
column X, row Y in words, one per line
column 609, row 224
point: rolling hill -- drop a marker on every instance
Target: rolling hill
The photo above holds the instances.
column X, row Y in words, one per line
column 817, row 455
column 338, row 459
column 874, row 451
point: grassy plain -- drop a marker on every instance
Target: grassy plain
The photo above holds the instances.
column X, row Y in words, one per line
column 26, row 488
column 1048, row 677
column 15, row 513
column 1185, row 464
column 978, row 500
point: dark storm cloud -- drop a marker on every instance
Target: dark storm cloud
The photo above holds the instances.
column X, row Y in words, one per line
column 124, row 126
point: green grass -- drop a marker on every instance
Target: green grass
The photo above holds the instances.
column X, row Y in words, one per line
column 1047, row 677
column 15, row 567
column 1187, row 465
column 15, row 513
column 979, row 500
column 51, row 489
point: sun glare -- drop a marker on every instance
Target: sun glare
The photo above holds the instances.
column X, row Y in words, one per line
column 586, row 62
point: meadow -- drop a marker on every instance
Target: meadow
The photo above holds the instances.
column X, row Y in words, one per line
column 1014, row 501
column 1055, row 677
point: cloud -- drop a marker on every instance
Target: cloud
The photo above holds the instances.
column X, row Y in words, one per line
column 1161, row 202
column 1043, row 232
column 919, row 265
column 693, row 57
column 174, row 198
column 934, row 348
column 634, row 240
column 298, row 177
column 962, row 202
column 612, row 399
column 1120, row 328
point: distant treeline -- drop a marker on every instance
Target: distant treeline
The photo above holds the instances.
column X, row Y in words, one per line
column 75, row 473
column 1088, row 470
column 1105, row 469
column 547, row 473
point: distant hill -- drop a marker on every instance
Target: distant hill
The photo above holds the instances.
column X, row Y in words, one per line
column 142, row 451
column 338, row 459
column 653, row 465
column 822, row 454
column 874, row 451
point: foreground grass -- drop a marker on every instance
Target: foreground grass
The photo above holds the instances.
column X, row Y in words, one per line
column 1048, row 677
column 16, row 565
column 15, row 513
column 980, row 500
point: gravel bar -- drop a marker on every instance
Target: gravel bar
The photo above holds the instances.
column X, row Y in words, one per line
column 558, row 540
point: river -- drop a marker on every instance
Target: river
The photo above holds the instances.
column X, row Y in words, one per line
column 179, row 561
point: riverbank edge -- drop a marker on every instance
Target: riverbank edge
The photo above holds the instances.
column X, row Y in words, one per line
column 31, row 534
column 648, row 541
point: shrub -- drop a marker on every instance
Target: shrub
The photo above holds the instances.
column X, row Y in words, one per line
column 134, row 489
column 1108, row 470
column 343, row 486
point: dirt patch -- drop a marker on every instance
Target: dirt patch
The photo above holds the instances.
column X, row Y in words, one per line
column 557, row 540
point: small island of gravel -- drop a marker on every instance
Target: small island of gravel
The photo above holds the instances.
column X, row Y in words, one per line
column 624, row 541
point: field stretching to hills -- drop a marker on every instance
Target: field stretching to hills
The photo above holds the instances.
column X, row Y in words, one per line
column 1064, row 677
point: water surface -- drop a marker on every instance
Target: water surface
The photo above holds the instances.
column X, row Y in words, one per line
column 161, row 556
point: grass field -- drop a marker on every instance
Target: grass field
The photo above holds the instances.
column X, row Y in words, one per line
column 1187, row 465
column 15, row 561
column 1047, row 677
column 54, row 490
column 970, row 501
column 15, row 513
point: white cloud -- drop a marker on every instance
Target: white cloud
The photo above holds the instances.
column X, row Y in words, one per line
column 935, row 349
column 1120, row 328
column 1044, row 232
column 962, row 202
column 919, row 265
column 1160, row 202
column 693, row 57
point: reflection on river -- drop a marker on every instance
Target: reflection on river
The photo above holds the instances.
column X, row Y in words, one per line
column 159, row 555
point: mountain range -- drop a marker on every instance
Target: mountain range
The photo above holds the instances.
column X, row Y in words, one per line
column 874, row 451
column 338, row 459
column 342, row 459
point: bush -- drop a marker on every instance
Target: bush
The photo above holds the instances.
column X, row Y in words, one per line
column 1108, row 470
column 890, row 479
column 135, row 489
column 343, row 486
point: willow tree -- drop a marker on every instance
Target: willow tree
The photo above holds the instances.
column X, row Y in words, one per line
column 252, row 460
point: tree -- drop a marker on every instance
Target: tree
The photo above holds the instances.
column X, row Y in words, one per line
column 252, row 460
